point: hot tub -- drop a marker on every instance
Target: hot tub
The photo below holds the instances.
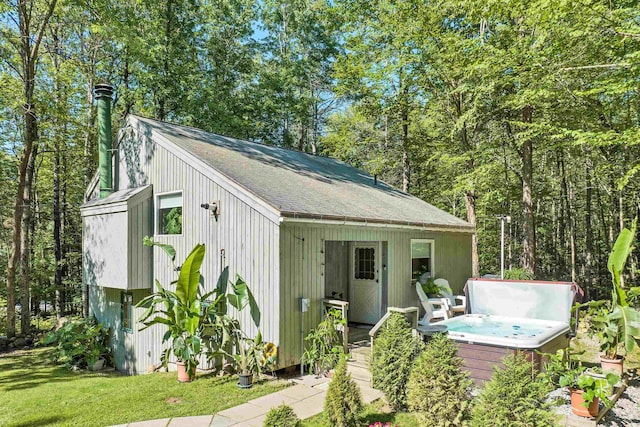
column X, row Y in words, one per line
column 512, row 332
column 505, row 317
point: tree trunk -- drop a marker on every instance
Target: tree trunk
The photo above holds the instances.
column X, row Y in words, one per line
column 126, row 75
column 57, row 226
column 162, row 101
column 406, row 171
column 470, row 203
column 588, row 231
column 25, row 241
column 528, row 225
column 28, row 53
column 64, row 226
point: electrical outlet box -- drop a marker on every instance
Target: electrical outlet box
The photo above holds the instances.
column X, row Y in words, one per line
column 304, row 304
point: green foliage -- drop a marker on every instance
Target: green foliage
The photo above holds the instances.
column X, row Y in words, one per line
column 192, row 318
column 562, row 369
column 282, row 416
column 437, row 91
column 430, row 288
column 343, row 402
column 324, row 344
column 172, row 221
column 168, row 249
column 615, row 321
column 513, row 397
column 393, row 358
column 254, row 355
column 182, row 311
column 518, row 274
column 79, row 344
column 438, row 389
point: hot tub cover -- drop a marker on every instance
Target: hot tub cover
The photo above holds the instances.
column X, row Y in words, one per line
column 529, row 299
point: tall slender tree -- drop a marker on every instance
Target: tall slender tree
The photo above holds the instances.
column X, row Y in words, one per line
column 32, row 20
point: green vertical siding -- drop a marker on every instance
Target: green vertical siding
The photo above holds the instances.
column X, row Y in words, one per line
column 302, row 271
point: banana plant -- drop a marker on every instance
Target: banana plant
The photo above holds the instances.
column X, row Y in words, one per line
column 615, row 321
column 624, row 319
column 181, row 311
column 225, row 335
column 194, row 318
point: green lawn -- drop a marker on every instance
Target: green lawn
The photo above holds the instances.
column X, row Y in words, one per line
column 35, row 393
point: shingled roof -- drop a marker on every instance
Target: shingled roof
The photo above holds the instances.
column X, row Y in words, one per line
column 304, row 186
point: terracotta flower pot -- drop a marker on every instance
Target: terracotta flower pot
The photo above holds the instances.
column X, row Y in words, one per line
column 183, row 375
column 577, row 405
column 615, row 366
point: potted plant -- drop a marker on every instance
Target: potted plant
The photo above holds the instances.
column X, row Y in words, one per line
column 430, row 288
column 253, row 357
column 194, row 319
column 615, row 322
column 182, row 312
column 587, row 391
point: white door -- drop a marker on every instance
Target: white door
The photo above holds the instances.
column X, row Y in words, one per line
column 365, row 293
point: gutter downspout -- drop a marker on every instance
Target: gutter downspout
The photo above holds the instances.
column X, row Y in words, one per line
column 103, row 94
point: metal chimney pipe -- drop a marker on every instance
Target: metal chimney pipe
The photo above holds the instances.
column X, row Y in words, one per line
column 103, row 94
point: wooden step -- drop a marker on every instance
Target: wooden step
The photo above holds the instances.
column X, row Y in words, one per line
column 359, row 372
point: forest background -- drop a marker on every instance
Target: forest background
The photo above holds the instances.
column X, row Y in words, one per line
column 484, row 108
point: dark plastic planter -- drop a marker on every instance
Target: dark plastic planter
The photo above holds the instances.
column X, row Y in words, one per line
column 245, row 380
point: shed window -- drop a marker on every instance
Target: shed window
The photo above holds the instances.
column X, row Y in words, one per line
column 127, row 311
column 365, row 263
column 169, row 214
column 421, row 258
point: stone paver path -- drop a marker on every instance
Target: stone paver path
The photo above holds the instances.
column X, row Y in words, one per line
column 306, row 398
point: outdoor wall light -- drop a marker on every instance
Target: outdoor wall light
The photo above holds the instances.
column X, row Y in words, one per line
column 214, row 207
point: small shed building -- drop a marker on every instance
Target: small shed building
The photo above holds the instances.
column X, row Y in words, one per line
column 293, row 225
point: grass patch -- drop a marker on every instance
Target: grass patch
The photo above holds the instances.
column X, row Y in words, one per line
column 35, row 393
column 372, row 413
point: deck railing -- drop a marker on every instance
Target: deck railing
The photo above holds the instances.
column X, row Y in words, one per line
column 411, row 312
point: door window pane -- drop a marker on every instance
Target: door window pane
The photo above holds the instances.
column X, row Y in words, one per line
column 365, row 264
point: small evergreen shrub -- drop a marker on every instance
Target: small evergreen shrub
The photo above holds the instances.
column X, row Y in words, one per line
column 513, row 398
column 282, row 416
column 437, row 390
column 344, row 400
column 394, row 352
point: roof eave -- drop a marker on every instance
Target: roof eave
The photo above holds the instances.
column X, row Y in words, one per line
column 298, row 217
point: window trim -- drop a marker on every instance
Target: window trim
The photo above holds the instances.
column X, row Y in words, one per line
column 156, row 216
column 122, row 297
column 432, row 242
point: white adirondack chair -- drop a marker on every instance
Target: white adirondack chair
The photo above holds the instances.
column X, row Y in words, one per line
column 435, row 308
column 457, row 303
